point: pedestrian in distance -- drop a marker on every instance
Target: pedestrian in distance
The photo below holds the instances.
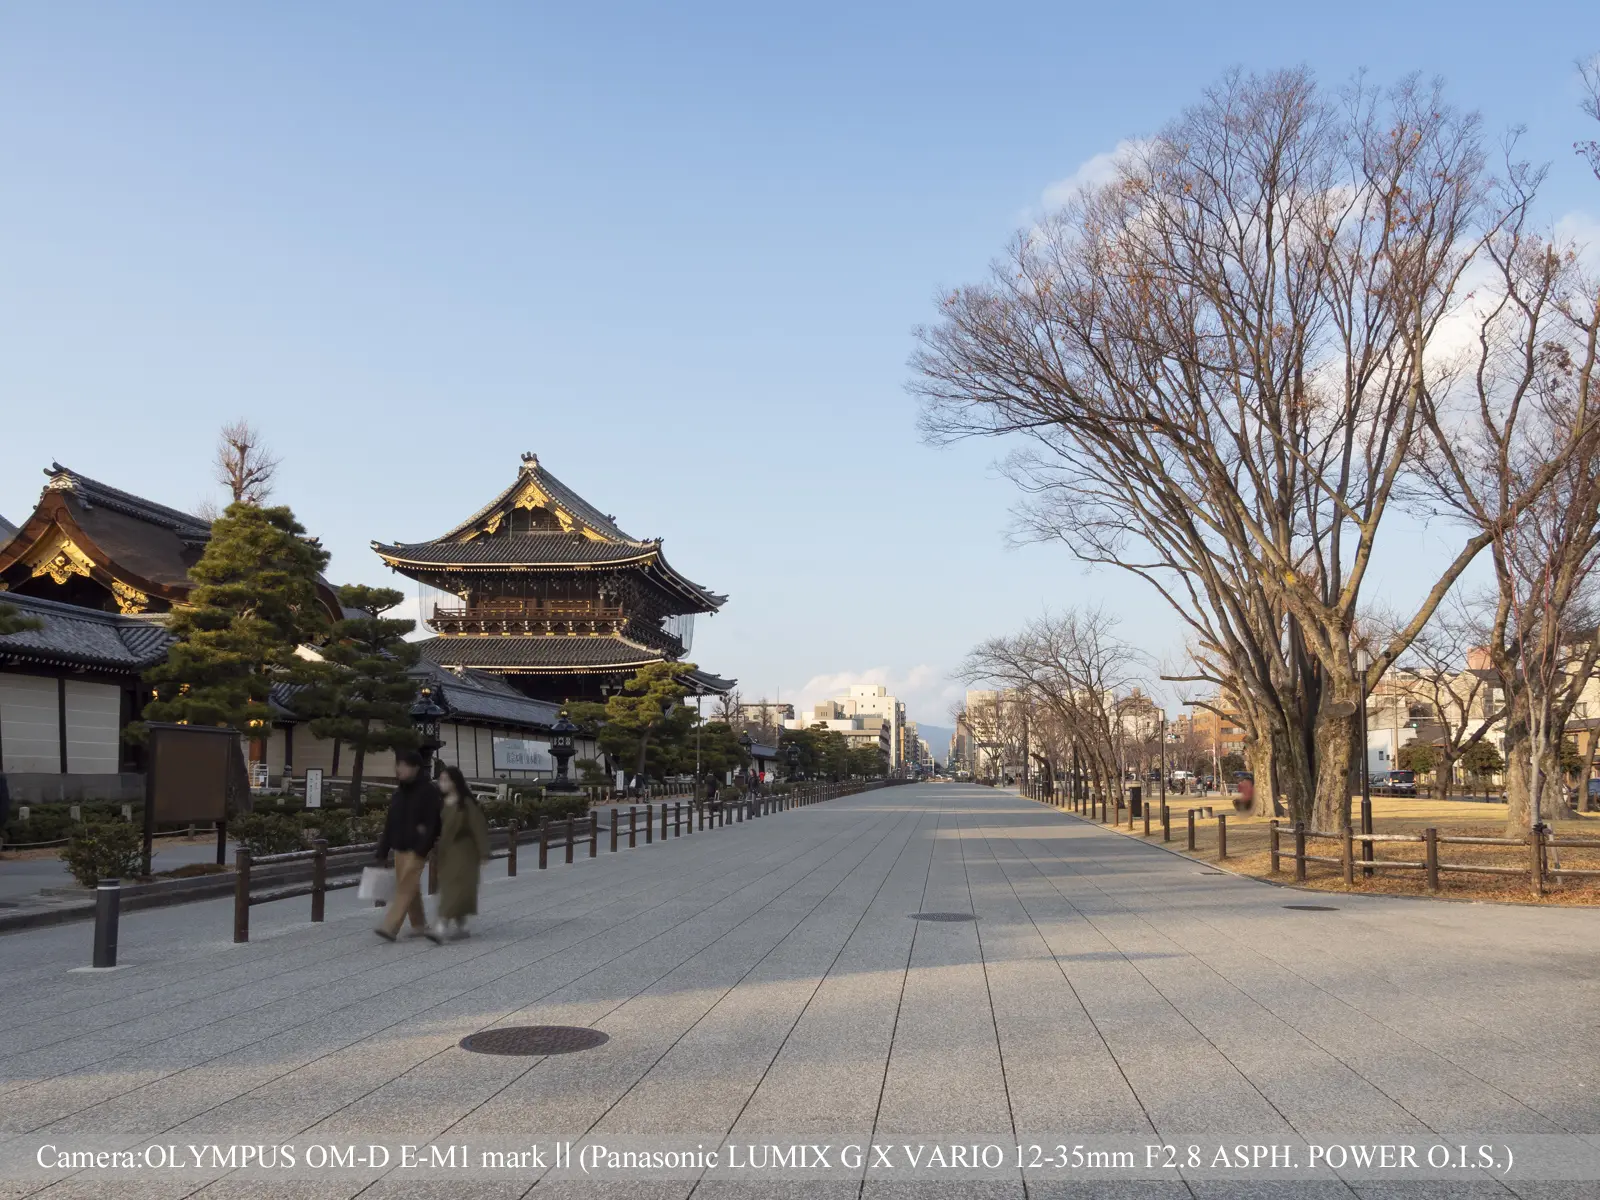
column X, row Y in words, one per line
column 410, row 832
column 463, row 849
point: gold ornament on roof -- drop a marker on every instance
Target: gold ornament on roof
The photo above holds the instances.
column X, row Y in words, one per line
column 60, row 559
column 129, row 598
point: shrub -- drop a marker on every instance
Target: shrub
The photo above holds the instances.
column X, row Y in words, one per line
column 108, row 850
column 267, row 833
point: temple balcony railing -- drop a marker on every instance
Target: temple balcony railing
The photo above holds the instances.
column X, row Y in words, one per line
column 454, row 623
column 499, row 610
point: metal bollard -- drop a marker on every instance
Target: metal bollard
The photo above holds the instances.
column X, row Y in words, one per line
column 319, row 878
column 615, row 821
column 594, row 833
column 107, row 909
column 511, row 849
column 241, row 895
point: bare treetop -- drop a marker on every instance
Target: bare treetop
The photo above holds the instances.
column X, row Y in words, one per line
column 244, row 464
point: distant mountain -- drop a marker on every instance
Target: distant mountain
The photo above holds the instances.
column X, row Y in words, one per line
column 938, row 739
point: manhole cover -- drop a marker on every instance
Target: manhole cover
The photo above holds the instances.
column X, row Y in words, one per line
column 1311, row 907
column 943, row 916
column 534, row 1040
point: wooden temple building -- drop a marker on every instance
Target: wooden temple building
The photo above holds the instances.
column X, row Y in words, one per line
column 552, row 595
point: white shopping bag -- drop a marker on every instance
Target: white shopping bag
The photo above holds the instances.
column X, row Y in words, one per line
column 377, row 883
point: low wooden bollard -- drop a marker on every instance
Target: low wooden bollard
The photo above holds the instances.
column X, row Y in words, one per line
column 570, row 822
column 1272, row 844
column 1347, row 856
column 1166, row 823
column 594, row 833
column 512, row 836
column 1536, row 859
column 544, row 843
column 241, row 895
column 319, row 879
column 649, row 824
column 1367, row 845
column 1430, row 857
column 614, row 830
column 633, row 826
column 663, row 820
column 677, row 818
column 1191, row 829
column 1222, row 836
column 1147, row 820
column 1300, row 851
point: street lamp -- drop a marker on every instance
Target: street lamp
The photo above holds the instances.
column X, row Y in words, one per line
column 561, row 750
column 745, row 742
column 425, row 715
column 791, row 755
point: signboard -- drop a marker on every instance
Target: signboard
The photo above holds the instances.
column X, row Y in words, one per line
column 258, row 777
column 193, row 773
column 313, row 787
column 622, row 781
column 522, row 754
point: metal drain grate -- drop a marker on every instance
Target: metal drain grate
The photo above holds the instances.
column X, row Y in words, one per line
column 943, row 916
column 1311, row 907
column 532, row 1040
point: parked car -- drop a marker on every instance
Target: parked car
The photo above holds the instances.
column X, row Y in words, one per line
column 1395, row 783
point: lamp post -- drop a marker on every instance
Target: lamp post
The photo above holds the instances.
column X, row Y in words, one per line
column 561, row 750
column 745, row 742
column 791, row 756
column 425, row 714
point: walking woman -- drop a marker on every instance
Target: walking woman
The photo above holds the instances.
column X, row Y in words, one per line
column 463, row 848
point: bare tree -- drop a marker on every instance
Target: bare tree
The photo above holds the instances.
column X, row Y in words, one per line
column 1435, row 670
column 1219, row 363
column 244, row 465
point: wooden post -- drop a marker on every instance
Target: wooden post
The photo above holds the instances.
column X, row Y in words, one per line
column 1536, row 859
column 512, row 834
column 570, row 822
column 663, row 820
column 594, row 833
column 1222, row 836
column 241, row 895
column 1347, row 857
column 1272, row 841
column 677, row 818
column 544, row 842
column 1191, row 829
column 1166, row 823
column 614, row 823
column 649, row 823
column 633, row 826
column 1430, row 857
column 1300, row 851
column 1367, row 845
column 319, row 878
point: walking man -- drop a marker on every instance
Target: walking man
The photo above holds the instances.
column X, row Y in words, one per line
column 410, row 832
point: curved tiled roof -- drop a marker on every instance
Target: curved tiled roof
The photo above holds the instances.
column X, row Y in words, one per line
column 525, row 653
column 564, row 497
column 520, row 550
column 83, row 637
column 91, row 493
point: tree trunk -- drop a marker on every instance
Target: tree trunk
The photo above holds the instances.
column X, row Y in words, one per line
column 1336, row 739
column 1258, row 756
column 356, row 772
column 1585, row 771
column 1445, row 774
column 644, row 744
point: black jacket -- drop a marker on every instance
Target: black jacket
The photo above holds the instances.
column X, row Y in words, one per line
column 413, row 822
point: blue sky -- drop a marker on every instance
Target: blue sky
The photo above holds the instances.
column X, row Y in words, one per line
column 676, row 249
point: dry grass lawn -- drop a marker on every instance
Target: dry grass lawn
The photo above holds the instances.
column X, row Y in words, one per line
column 1248, row 852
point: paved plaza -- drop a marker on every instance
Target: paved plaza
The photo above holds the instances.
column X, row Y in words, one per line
column 766, row 985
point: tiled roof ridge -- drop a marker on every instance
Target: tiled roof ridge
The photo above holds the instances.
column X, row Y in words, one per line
column 92, row 492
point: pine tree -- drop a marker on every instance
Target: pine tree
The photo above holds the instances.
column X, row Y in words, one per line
column 254, row 602
column 11, row 621
column 648, row 710
column 361, row 694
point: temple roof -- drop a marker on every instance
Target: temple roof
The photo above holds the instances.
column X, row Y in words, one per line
column 555, row 655
column 83, row 637
column 520, row 550
column 576, row 535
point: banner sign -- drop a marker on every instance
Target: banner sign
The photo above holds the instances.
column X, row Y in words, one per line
column 313, row 787
column 521, row 754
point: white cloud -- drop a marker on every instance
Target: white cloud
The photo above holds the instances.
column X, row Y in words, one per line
column 1092, row 172
column 927, row 691
column 1584, row 229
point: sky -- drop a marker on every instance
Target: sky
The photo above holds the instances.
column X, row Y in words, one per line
column 677, row 250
